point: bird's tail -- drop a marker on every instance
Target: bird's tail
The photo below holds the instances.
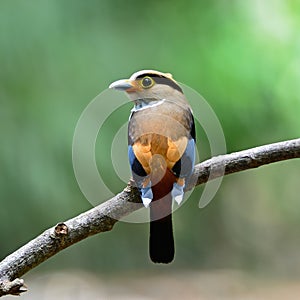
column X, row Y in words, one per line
column 161, row 243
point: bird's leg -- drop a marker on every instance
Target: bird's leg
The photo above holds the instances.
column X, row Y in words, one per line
column 146, row 192
column 177, row 191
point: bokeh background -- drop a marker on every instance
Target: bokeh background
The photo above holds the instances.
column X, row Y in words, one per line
column 242, row 56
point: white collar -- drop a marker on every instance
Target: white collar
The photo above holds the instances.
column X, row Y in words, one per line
column 142, row 104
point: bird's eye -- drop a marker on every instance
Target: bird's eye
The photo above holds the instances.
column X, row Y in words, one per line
column 147, row 82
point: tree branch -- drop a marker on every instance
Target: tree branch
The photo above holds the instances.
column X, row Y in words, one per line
column 103, row 217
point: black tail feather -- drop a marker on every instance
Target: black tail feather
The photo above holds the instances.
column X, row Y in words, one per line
column 161, row 244
column 161, row 241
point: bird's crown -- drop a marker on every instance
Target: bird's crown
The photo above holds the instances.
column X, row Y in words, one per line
column 145, row 79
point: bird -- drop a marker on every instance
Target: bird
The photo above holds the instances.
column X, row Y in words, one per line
column 161, row 151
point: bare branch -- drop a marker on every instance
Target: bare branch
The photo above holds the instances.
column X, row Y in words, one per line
column 103, row 217
column 246, row 159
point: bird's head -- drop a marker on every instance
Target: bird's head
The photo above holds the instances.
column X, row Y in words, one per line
column 149, row 84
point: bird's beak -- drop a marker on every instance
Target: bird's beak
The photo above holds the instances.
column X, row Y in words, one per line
column 122, row 85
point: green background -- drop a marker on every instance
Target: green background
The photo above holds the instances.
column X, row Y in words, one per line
column 242, row 56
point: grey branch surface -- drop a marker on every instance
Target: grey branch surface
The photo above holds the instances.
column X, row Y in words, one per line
column 103, row 217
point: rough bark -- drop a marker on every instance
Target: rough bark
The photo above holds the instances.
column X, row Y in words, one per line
column 103, row 217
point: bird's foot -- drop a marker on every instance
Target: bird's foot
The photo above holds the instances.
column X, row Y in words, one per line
column 177, row 193
column 146, row 201
column 147, row 194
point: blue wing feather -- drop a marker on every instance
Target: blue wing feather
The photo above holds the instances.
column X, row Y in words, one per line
column 139, row 175
column 185, row 165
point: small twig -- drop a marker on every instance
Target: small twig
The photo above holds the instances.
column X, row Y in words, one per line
column 103, row 217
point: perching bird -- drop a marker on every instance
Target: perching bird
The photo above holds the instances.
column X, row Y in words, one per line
column 161, row 150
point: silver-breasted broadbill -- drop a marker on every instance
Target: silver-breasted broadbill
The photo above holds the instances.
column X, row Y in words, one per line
column 161, row 150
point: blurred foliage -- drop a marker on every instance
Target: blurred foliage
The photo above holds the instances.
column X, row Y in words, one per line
column 242, row 56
